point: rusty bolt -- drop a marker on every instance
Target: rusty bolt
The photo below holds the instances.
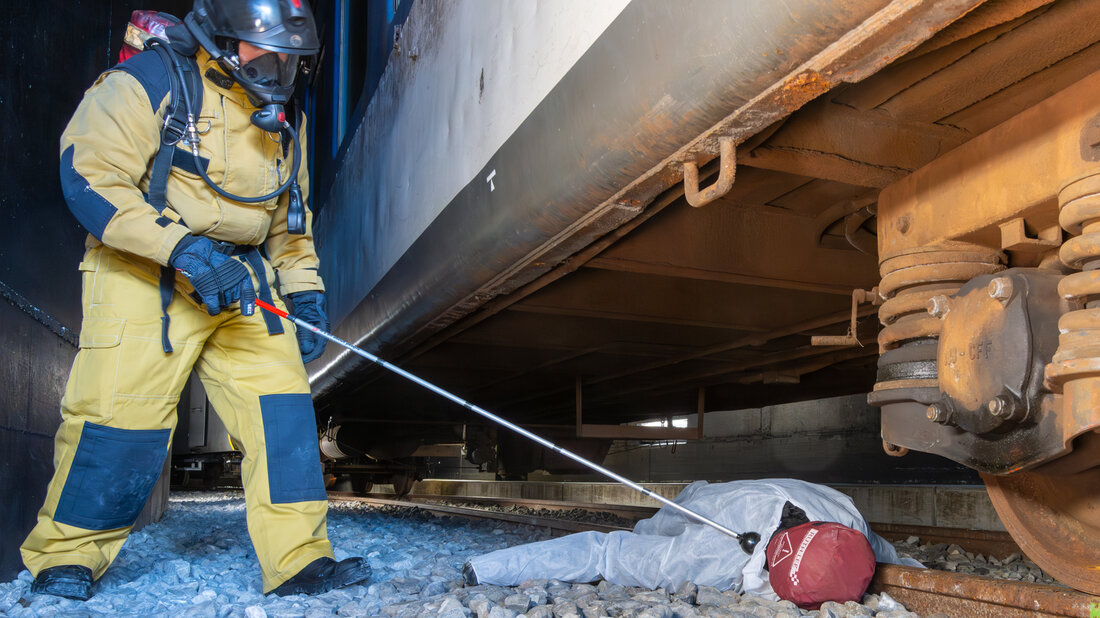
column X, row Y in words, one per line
column 937, row 413
column 938, row 306
column 1001, row 407
column 1000, row 289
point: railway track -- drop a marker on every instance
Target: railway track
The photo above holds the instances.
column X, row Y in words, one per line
column 925, row 591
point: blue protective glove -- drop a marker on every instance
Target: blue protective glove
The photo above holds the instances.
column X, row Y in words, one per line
column 219, row 279
column 310, row 307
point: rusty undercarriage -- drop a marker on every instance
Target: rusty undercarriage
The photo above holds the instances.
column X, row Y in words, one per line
column 948, row 185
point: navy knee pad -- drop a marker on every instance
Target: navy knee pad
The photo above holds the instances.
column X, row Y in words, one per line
column 293, row 458
column 111, row 476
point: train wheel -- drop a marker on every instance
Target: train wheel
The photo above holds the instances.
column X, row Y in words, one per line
column 1055, row 518
column 403, row 483
column 361, row 484
column 211, row 474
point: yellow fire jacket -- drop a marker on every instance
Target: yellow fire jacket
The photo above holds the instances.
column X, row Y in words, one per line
column 107, row 151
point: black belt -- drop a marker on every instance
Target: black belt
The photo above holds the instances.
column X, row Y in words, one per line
column 251, row 255
column 228, row 248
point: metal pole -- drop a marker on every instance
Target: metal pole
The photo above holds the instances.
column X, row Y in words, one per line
column 747, row 540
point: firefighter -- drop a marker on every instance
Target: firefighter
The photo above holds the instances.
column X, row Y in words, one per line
column 172, row 266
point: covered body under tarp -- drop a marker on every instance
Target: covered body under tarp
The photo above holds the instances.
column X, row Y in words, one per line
column 669, row 549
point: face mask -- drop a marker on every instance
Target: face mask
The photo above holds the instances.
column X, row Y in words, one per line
column 268, row 70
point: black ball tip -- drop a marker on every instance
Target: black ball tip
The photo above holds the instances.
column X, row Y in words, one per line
column 749, row 541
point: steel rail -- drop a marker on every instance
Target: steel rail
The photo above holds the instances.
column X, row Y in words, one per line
column 553, row 523
column 989, row 542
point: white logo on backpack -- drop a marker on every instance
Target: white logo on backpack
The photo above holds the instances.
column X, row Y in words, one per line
column 801, row 551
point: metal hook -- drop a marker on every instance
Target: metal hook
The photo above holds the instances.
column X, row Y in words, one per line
column 726, row 174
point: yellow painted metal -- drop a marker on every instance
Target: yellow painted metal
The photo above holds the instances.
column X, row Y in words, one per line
column 1012, row 171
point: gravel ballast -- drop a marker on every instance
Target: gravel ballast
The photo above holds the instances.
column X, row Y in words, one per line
column 198, row 561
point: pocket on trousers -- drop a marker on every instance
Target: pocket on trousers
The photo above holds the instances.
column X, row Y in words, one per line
column 293, row 457
column 111, row 476
column 101, row 332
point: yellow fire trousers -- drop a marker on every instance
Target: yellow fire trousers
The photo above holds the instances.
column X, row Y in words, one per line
column 119, row 412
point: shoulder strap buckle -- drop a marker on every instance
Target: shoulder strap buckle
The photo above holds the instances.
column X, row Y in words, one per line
column 174, row 129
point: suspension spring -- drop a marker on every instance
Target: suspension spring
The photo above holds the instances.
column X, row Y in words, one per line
column 912, row 278
column 1078, row 354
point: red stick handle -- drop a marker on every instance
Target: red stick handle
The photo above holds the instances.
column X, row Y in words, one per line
column 272, row 308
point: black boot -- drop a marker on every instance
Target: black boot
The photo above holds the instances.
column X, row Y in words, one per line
column 468, row 576
column 324, row 574
column 70, row 581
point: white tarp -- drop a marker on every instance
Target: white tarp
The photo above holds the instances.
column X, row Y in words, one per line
column 670, row 549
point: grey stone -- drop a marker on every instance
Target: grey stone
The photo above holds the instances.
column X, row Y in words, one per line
column 686, row 589
column 480, row 607
column 203, row 610
column 537, row 595
column 433, row 588
column 854, row 609
column 541, row 611
column 518, row 603
column 452, row 608
column 724, row 612
column 501, row 612
column 590, row 598
column 607, row 590
column 407, row 585
column 604, row 586
column 656, row 611
column 707, row 595
column 353, row 609
column 596, row 609
column 294, row 611
column 564, row 609
column 557, row 591
column 897, row 613
column 651, row 597
column 625, row 606
column 682, row 610
column 788, row 606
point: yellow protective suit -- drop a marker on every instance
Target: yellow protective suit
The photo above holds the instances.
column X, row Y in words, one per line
column 118, row 411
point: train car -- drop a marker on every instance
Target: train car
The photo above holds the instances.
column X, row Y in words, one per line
column 583, row 216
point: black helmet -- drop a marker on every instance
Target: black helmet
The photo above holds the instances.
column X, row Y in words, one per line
column 283, row 26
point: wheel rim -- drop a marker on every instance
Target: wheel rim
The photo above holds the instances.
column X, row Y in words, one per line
column 1055, row 518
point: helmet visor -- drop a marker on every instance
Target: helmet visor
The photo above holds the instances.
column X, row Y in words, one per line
column 278, row 25
column 255, row 16
column 271, row 71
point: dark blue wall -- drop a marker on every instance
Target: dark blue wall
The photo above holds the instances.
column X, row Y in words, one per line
column 53, row 50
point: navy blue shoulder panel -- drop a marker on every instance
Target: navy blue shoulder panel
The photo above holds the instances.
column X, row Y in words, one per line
column 149, row 70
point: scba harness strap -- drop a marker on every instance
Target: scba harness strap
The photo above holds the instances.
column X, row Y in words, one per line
column 173, row 130
column 179, row 67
